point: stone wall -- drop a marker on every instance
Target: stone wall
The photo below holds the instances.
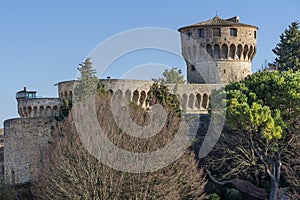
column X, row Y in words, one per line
column 218, row 59
column 26, row 144
column 194, row 98
column 39, row 107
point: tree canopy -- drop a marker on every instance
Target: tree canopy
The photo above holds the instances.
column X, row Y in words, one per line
column 87, row 83
column 262, row 129
column 288, row 49
column 172, row 76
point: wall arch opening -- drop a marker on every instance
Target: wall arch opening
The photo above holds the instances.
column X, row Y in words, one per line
column 224, row 54
column 135, row 97
column 232, row 51
column 239, row 51
column 205, row 101
column 245, row 52
column 191, row 101
column 209, row 50
column 217, row 51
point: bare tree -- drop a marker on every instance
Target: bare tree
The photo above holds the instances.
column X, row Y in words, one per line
column 72, row 173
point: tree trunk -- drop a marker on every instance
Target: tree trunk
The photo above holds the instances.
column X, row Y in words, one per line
column 274, row 190
column 276, row 169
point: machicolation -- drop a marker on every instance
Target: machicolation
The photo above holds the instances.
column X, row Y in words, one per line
column 216, row 52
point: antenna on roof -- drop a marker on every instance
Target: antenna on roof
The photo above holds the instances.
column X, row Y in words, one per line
column 216, row 13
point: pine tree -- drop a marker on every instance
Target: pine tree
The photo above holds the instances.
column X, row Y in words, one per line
column 87, row 83
column 288, row 49
column 172, row 76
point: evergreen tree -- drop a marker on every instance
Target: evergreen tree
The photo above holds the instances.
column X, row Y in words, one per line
column 288, row 49
column 172, row 76
column 87, row 83
column 262, row 131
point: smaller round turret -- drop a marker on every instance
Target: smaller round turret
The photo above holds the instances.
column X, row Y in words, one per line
column 29, row 105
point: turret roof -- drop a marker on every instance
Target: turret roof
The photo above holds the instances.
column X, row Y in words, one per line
column 217, row 21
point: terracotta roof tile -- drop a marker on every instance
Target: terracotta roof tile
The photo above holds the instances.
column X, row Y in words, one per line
column 217, row 21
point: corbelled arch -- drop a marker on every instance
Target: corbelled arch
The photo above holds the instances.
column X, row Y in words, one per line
column 224, row 51
column 184, row 100
column 245, row 52
column 29, row 111
column 35, row 111
column 42, row 111
column 209, row 50
column 250, row 53
column 217, row 51
column 205, row 101
column 191, row 101
column 232, row 51
column 239, row 51
column 135, row 97
column 128, row 95
column 198, row 101
column 143, row 98
column 48, row 111
column 55, row 111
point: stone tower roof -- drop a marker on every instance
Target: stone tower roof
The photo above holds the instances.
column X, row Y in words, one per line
column 217, row 21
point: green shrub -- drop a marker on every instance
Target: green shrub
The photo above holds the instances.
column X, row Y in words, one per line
column 233, row 194
column 7, row 192
column 214, row 196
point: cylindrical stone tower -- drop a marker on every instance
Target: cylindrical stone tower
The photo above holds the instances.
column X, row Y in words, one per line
column 218, row 50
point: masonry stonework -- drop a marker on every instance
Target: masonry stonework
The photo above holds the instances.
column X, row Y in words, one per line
column 217, row 51
column 26, row 144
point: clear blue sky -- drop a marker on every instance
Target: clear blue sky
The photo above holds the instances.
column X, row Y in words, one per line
column 42, row 42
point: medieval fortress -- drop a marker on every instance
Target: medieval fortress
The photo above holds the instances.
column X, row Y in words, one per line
column 217, row 51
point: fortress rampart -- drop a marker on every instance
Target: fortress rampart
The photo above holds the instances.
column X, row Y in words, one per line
column 217, row 51
column 26, row 146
